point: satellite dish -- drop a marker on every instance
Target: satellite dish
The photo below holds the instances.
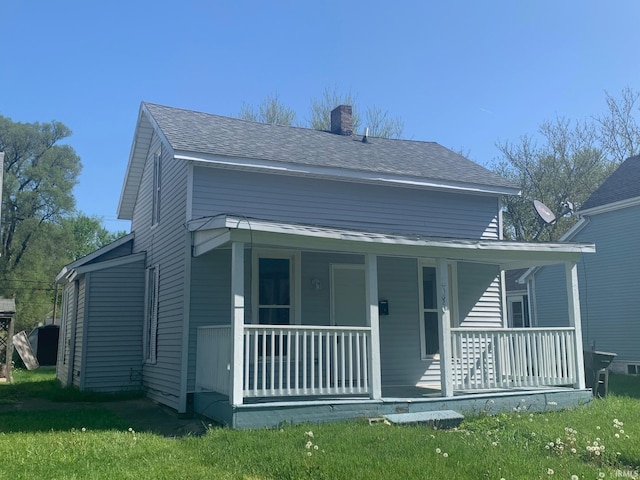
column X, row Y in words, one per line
column 545, row 213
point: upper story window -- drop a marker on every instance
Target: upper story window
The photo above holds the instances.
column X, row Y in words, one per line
column 157, row 182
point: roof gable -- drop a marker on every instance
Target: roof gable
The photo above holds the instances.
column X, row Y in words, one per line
column 623, row 184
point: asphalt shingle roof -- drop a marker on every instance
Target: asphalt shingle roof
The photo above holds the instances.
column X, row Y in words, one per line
column 196, row 132
column 623, row 184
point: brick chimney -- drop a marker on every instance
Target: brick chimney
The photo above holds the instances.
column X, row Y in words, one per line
column 341, row 121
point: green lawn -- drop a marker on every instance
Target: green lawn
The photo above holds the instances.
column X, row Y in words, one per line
column 91, row 443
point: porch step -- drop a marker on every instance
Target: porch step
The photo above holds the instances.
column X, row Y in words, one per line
column 435, row 418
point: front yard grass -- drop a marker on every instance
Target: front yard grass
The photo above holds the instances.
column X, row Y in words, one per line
column 598, row 441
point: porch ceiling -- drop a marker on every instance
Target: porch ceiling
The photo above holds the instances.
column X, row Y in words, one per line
column 218, row 231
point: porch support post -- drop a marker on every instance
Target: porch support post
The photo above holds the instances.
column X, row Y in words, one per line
column 573, row 303
column 373, row 320
column 446, row 367
column 237, row 325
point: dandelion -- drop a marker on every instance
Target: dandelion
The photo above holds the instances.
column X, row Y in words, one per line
column 84, row 429
column 309, row 434
column 495, row 444
column 308, row 445
column 617, row 435
column 597, row 427
column 315, row 447
column 308, row 454
column 438, row 450
column 549, row 471
column 601, row 475
column 445, row 454
column 574, row 477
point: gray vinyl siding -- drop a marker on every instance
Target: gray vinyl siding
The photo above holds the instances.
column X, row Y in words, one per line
column 551, row 296
column 400, row 354
column 479, row 295
column 166, row 247
column 210, row 298
column 344, row 205
column 609, row 284
column 316, row 304
column 114, row 328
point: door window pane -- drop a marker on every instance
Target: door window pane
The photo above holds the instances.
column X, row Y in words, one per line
column 274, row 291
column 431, row 325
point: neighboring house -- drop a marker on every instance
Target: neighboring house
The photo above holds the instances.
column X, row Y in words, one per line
column 286, row 274
column 609, row 280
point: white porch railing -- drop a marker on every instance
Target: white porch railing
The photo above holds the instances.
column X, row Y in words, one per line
column 515, row 357
column 287, row 360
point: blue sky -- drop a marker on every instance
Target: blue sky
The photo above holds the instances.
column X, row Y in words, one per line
column 465, row 74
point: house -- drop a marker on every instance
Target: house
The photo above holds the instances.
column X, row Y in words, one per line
column 610, row 218
column 278, row 274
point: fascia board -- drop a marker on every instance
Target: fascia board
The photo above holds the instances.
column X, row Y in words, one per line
column 114, row 262
column 629, row 202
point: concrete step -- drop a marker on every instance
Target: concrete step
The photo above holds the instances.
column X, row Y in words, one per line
column 436, row 418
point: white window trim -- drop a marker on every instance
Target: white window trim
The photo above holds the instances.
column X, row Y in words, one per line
column 340, row 266
column 295, row 285
column 453, row 296
column 150, row 339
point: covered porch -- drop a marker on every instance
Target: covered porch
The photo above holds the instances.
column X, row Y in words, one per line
column 249, row 369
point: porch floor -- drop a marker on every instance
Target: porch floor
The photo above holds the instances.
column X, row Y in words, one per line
column 275, row 411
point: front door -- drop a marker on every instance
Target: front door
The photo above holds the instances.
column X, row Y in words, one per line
column 348, row 295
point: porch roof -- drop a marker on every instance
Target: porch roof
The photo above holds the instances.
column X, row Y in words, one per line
column 219, row 231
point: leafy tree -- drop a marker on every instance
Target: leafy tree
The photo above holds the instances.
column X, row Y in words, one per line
column 320, row 109
column 381, row 125
column 569, row 163
column 84, row 234
column 39, row 176
column 40, row 230
column 270, row 110
column 378, row 121
column 619, row 132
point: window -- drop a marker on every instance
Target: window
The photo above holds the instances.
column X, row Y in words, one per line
column 155, row 205
column 431, row 323
column 274, row 288
column 518, row 312
column 274, row 291
column 151, row 316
